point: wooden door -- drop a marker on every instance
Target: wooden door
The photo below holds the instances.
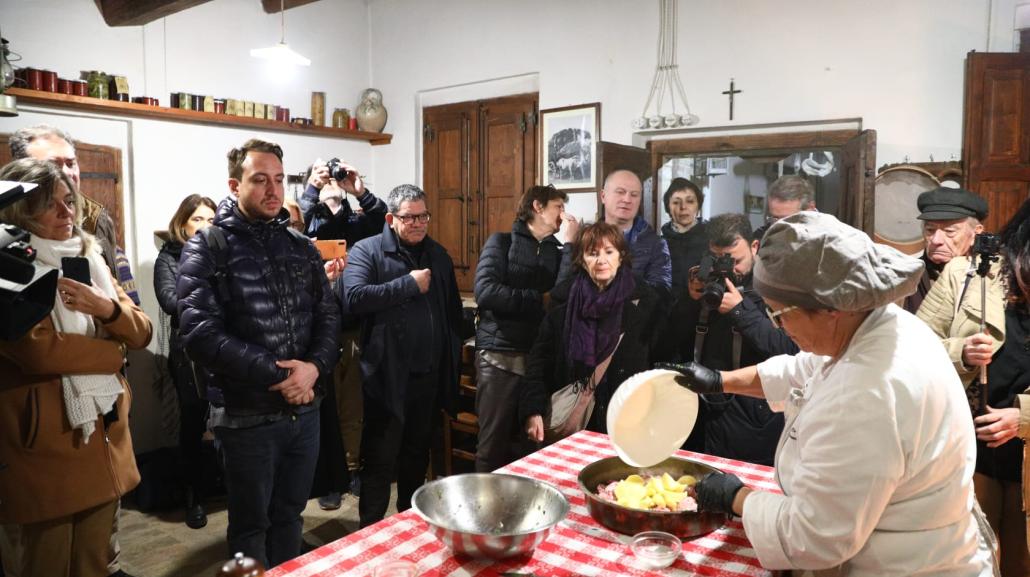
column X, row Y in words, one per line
column 478, row 158
column 858, row 181
column 996, row 139
column 449, row 140
column 507, row 164
column 100, row 178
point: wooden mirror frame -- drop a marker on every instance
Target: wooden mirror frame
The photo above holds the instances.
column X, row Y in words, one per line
column 857, row 166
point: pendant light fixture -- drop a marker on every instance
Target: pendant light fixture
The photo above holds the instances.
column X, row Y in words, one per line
column 666, row 80
column 281, row 52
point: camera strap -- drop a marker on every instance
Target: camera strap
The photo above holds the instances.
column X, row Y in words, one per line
column 701, row 331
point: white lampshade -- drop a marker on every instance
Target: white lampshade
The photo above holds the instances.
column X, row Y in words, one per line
column 280, row 53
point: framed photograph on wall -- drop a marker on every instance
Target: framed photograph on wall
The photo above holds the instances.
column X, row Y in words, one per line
column 754, row 204
column 568, row 146
column 717, row 165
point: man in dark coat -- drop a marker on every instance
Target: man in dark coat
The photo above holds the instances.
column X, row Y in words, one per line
column 733, row 333
column 264, row 322
column 401, row 284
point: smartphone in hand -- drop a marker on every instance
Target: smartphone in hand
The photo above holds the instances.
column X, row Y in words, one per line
column 76, row 268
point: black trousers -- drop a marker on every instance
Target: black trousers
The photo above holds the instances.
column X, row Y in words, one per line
column 392, row 448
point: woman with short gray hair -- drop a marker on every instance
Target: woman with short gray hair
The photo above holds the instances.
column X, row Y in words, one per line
column 876, row 460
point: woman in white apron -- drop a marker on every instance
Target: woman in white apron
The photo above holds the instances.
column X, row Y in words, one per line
column 876, row 459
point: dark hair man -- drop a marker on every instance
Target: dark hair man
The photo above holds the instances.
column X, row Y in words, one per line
column 951, row 220
column 401, row 284
column 264, row 323
column 735, row 333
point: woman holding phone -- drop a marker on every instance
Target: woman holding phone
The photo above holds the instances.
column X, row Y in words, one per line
column 64, row 405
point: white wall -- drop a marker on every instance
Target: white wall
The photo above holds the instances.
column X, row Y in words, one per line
column 207, row 53
column 898, row 65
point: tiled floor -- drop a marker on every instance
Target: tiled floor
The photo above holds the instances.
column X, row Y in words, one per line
column 161, row 545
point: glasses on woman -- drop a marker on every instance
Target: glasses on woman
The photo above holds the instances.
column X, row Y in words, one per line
column 410, row 218
column 774, row 316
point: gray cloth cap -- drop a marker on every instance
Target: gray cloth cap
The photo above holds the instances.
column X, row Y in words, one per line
column 814, row 261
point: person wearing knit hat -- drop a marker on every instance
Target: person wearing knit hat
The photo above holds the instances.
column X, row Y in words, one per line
column 877, row 455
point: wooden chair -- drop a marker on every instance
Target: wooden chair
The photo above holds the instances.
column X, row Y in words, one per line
column 463, row 428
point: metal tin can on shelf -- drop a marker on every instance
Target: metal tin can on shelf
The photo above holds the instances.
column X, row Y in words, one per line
column 219, row 105
column 64, row 86
column 120, row 97
column 33, row 78
column 282, row 114
column 209, row 104
column 49, row 80
column 271, row 112
column 184, row 101
column 80, row 88
column 196, row 102
column 248, row 108
column 352, row 123
column 173, row 100
column 259, row 110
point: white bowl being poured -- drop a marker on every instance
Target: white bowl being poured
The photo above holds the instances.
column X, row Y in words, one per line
column 650, row 416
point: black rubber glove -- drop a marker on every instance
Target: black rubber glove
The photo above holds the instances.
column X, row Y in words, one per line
column 715, row 492
column 697, row 378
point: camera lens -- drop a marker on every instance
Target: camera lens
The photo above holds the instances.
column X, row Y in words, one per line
column 712, row 295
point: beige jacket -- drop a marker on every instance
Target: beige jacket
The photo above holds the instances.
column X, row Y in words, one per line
column 954, row 323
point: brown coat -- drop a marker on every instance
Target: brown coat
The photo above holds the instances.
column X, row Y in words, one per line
column 47, row 471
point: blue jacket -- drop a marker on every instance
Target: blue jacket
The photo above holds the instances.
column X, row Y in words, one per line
column 281, row 308
column 379, row 290
column 321, row 223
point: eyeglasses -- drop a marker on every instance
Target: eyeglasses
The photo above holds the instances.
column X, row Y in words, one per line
column 774, row 315
column 410, row 218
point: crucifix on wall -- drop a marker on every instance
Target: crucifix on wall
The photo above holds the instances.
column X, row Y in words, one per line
column 730, row 93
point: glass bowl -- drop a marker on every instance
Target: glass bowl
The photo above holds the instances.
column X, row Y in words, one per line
column 656, row 549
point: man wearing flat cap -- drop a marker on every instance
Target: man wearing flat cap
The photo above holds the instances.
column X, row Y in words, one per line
column 951, row 220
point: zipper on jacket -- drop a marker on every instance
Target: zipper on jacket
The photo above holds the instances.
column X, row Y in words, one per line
column 110, row 459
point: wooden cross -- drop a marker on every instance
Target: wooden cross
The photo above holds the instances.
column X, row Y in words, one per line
column 730, row 93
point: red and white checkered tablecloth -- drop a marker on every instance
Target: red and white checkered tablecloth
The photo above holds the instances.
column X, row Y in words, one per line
column 579, row 546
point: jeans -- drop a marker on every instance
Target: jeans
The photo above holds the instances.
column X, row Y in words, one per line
column 390, row 447
column 268, row 474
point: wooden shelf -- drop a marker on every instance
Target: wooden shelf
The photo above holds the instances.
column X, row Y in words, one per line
column 116, row 108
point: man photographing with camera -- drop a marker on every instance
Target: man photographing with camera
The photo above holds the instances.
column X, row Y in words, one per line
column 724, row 326
column 327, row 213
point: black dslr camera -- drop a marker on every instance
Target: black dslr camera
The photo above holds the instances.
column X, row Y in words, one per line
column 26, row 294
column 337, row 171
column 713, row 271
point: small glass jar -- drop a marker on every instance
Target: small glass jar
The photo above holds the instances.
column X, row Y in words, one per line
column 97, row 83
column 341, row 117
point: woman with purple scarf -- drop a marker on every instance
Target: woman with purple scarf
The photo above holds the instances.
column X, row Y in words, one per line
column 602, row 312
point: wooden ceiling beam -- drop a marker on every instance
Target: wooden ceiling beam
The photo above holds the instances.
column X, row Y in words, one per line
column 139, row 12
column 272, row 6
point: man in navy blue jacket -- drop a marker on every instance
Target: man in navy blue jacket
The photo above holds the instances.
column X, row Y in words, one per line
column 401, row 284
column 259, row 316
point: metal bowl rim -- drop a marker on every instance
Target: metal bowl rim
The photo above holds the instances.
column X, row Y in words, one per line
column 587, row 491
column 544, row 484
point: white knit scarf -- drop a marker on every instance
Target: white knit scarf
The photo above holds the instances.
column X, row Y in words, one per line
column 85, row 396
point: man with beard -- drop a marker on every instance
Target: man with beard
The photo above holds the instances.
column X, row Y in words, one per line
column 951, row 220
column 729, row 332
column 256, row 312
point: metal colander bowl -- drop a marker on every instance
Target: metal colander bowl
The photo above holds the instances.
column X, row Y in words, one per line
column 490, row 515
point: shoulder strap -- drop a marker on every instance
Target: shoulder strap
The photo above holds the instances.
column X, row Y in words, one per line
column 602, row 367
column 214, row 236
column 701, row 330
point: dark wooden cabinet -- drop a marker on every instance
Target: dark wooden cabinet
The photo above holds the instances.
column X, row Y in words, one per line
column 478, row 159
column 996, row 139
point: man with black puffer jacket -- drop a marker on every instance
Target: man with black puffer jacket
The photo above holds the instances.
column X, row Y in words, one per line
column 514, row 275
column 265, row 324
